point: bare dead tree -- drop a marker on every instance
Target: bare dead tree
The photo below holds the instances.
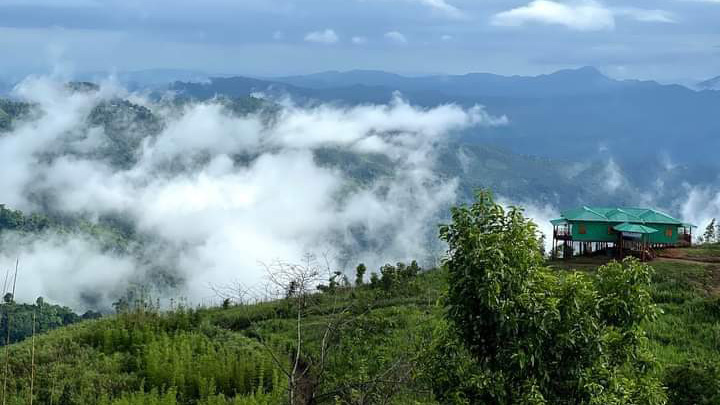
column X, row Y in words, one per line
column 32, row 361
column 7, row 339
column 236, row 292
column 296, row 282
column 306, row 369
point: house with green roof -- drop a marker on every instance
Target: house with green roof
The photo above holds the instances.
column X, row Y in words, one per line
column 587, row 229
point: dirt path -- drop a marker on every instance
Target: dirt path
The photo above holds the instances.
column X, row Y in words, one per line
column 684, row 260
column 683, row 254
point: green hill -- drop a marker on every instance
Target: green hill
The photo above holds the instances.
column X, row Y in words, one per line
column 238, row 354
column 369, row 340
column 10, row 111
column 5, row 120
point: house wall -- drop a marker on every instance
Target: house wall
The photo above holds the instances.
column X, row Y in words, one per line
column 594, row 231
column 661, row 236
column 598, row 232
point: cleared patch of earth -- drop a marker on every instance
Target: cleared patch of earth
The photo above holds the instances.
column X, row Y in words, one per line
column 697, row 255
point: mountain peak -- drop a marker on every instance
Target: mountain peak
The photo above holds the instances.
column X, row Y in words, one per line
column 710, row 84
column 585, row 72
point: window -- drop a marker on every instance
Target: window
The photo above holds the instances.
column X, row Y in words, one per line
column 669, row 232
column 610, row 230
column 581, row 229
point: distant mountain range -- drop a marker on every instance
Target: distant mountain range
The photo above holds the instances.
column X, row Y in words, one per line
column 586, row 80
column 5, row 87
column 710, row 84
column 576, row 114
column 575, row 137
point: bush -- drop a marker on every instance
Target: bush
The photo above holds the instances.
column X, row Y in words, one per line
column 396, row 280
column 693, row 383
column 532, row 336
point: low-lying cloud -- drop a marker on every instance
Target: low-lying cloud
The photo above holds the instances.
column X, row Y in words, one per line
column 212, row 194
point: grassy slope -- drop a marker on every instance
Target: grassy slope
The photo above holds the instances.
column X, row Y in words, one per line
column 224, row 356
column 687, row 291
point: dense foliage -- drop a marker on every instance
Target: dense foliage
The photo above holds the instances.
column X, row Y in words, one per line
column 530, row 335
column 238, row 354
column 110, row 232
column 16, row 221
column 46, row 317
column 11, row 111
column 142, row 357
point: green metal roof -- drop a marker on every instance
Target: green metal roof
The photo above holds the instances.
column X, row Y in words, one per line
column 634, row 228
column 559, row 221
column 620, row 215
column 583, row 214
column 631, row 215
column 657, row 217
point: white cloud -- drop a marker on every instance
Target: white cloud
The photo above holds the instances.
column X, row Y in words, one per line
column 581, row 15
column 327, row 36
column 643, row 15
column 541, row 214
column 446, row 37
column 699, row 206
column 359, row 40
column 614, row 178
column 67, row 269
column 442, row 6
column 278, row 35
column 396, row 37
column 213, row 216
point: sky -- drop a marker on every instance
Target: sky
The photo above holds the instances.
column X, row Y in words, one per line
column 666, row 40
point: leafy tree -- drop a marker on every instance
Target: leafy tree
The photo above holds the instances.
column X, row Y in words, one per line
column 709, row 235
column 529, row 336
column 397, row 279
column 360, row 271
column 47, row 317
column 374, row 280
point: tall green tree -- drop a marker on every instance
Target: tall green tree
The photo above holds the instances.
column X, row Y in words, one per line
column 518, row 333
column 360, row 271
column 709, row 235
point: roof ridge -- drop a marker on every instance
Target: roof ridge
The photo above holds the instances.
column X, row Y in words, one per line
column 586, row 208
column 632, row 215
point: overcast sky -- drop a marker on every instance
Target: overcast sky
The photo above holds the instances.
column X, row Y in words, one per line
column 666, row 40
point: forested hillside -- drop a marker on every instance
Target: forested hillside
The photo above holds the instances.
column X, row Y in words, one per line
column 87, row 154
column 389, row 336
column 518, row 177
column 11, row 111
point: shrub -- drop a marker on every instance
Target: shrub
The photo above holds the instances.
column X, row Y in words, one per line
column 532, row 336
column 693, row 383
